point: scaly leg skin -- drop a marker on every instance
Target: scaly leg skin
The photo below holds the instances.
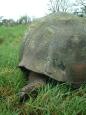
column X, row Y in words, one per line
column 35, row 81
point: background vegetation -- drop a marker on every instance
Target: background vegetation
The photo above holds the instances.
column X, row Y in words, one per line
column 76, row 7
column 51, row 100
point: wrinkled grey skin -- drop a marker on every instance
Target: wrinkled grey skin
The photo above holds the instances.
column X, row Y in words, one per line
column 54, row 43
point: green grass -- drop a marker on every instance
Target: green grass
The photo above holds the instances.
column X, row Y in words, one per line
column 51, row 100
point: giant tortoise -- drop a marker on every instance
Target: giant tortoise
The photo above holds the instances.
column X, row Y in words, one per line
column 54, row 46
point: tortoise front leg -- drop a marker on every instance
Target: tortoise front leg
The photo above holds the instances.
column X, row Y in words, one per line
column 35, row 81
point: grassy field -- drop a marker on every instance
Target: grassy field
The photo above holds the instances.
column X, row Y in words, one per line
column 51, row 100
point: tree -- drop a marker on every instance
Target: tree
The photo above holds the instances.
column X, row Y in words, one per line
column 8, row 22
column 80, row 5
column 59, row 5
column 1, row 17
column 24, row 20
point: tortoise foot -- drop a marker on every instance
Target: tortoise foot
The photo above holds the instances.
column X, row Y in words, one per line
column 23, row 97
column 30, row 90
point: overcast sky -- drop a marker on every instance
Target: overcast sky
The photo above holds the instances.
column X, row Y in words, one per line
column 17, row 8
